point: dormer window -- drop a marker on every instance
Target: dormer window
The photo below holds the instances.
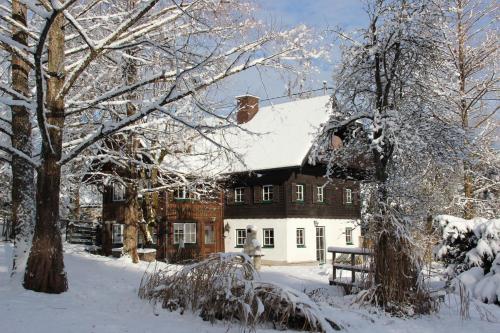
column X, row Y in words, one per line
column 267, row 193
column 181, row 193
column 118, row 191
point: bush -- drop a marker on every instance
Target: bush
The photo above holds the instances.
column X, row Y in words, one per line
column 467, row 243
column 223, row 287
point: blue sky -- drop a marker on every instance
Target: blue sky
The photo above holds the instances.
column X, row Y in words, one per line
column 317, row 14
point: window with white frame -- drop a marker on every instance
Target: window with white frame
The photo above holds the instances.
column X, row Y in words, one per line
column 241, row 236
column 267, row 193
column 300, row 237
column 239, row 193
column 268, row 237
column 348, row 235
column 181, row 193
column 299, row 190
column 118, row 191
column 348, row 196
column 117, row 233
column 185, row 232
column 320, row 194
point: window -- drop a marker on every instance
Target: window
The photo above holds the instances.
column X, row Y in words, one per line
column 209, row 234
column 268, row 237
column 300, row 237
column 118, row 191
column 348, row 196
column 185, row 232
column 319, row 194
column 348, row 236
column 118, row 233
column 181, row 193
column 239, row 193
column 241, row 236
column 267, row 193
column 299, row 190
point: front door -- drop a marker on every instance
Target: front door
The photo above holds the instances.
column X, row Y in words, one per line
column 320, row 244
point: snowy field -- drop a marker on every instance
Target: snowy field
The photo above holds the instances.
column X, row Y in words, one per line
column 102, row 297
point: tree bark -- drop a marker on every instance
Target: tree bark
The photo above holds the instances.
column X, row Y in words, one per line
column 23, row 181
column 45, row 270
column 131, row 219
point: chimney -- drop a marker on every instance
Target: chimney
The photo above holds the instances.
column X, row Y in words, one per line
column 248, row 106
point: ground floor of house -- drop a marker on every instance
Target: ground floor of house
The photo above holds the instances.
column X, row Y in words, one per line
column 293, row 240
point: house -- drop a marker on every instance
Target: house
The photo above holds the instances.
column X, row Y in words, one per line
column 296, row 211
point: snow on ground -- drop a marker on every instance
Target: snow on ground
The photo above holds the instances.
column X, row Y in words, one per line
column 102, row 297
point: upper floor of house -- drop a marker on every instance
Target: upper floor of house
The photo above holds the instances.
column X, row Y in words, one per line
column 292, row 193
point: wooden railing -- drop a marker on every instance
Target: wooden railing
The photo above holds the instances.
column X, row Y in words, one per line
column 364, row 267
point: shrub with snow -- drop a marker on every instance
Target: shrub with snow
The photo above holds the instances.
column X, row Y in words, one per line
column 467, row 243
column 471, row 250
column 223, row 287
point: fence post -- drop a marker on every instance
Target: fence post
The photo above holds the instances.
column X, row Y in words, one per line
column 353, row 272
column 334, row 271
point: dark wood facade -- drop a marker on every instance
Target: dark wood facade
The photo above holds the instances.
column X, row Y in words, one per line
column 284, row 203
column 205, row 214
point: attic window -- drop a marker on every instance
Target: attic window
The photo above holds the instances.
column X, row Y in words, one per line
column 118, row 191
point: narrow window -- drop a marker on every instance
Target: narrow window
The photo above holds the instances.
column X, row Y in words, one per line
column 300, row 237
column 178, row 232
column 348, row 236
column 268, row 237
column 118, row 191
column 319, row 194
column 239, row 193
column 190, row 233
column 117, row 233
column 209, row 234
column 300, row 192
column 267, row 193
column 348, row 196
column 241, row 235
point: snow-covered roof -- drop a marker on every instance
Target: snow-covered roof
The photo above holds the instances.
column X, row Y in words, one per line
column 279, row 135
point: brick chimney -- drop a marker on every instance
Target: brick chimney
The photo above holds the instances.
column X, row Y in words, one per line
column 248, row 106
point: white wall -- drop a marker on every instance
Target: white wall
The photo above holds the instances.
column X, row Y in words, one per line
column 278, row 253
column 285, row 245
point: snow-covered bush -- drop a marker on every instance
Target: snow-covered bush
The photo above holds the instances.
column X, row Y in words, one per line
column 471, row 250
column 481, row 286
column 467, row 243
column 223, row 287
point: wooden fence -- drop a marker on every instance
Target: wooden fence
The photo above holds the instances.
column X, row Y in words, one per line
column 364, row 264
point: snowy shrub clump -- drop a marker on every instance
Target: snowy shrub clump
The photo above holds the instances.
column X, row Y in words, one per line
column 471, row 251
column 223, row 287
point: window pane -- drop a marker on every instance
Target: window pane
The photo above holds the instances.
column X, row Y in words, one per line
column 209, row 234
column 241, row 235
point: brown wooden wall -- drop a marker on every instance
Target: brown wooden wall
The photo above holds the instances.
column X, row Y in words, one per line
column 334, row 205
column 170, row 211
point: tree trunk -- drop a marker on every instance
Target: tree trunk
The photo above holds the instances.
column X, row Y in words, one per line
column 131, row 219
column 23, row 181
column 45, row 270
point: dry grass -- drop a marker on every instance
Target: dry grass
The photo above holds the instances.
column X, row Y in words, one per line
column 223, row 287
